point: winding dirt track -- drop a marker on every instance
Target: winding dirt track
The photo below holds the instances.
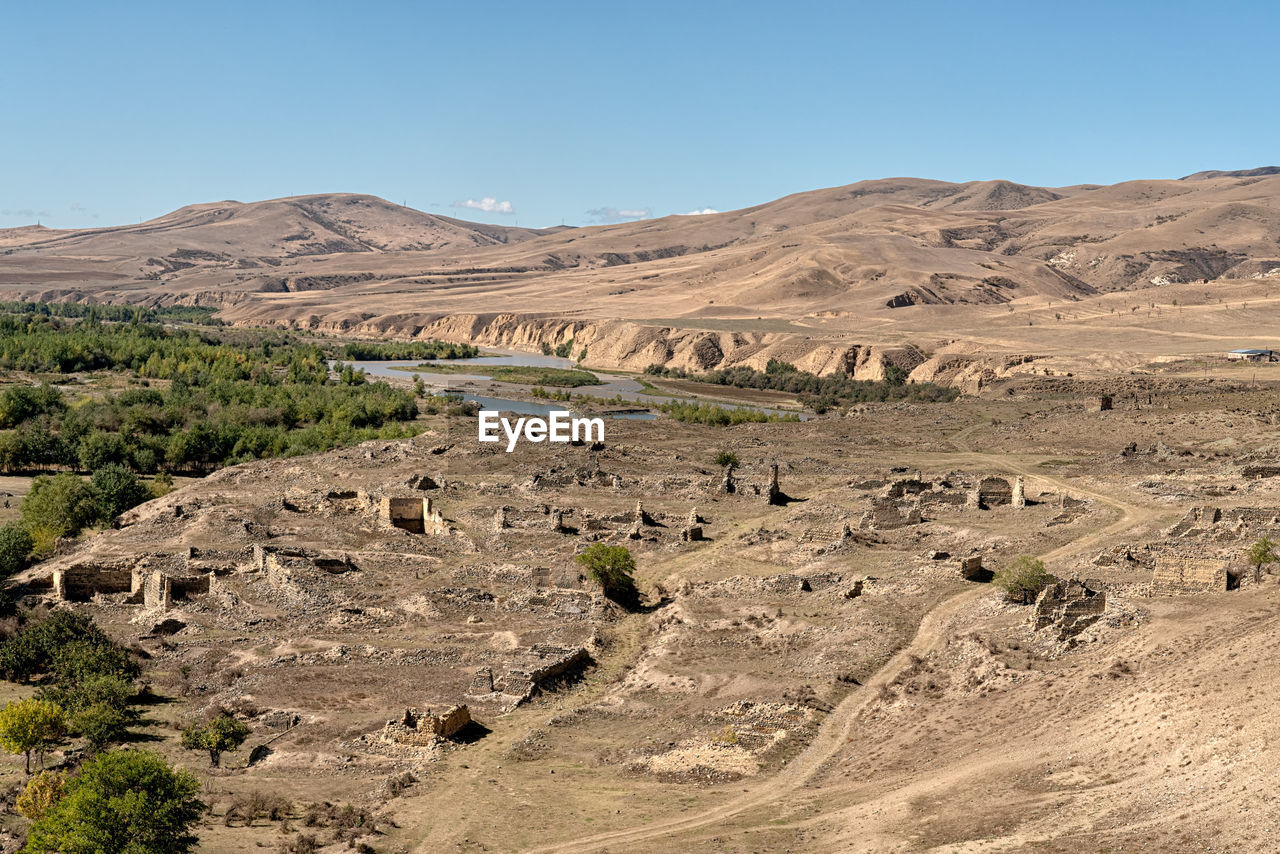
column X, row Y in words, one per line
column 837, row 730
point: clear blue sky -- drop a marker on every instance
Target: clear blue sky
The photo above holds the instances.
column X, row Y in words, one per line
column 577, row 112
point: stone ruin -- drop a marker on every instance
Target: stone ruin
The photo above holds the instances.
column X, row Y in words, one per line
column 1180, row 574
column 831, row 535
column 1069, row 606
column 728, row 485
column 992, row 492
column 1257, row 472
column 535, row 671
column 1104, row 403
column 775, row 494
column 154, row 581
column 413, row 514
column 1224, row 523
column 971, row 569
column 283, row 561
column 423, row 729
column 886, row 514
column 1019, row 492
column 692, row 531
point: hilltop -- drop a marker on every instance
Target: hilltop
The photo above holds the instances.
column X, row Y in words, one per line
column 889, row 261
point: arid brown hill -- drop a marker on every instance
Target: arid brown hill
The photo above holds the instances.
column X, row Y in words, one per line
column 867, row 252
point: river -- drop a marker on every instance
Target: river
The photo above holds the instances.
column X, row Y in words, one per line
column 463, row 385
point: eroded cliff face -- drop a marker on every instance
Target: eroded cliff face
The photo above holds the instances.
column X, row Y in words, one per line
column 620, row 344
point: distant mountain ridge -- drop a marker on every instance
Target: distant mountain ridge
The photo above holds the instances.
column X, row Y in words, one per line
column 862, row 251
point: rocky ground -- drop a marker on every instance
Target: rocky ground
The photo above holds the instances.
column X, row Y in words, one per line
column 813, row 673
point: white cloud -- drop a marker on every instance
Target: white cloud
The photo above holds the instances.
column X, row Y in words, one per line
column 702, row 212
column 488, row 204
column 618, row 214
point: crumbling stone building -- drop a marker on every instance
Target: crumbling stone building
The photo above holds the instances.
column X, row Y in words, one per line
column 423, row 729
column 1071, row 606
column 1181, row 574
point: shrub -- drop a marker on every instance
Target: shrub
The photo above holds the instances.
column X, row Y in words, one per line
column 613, row 568
column 58, row 506
column 100, row 724
column 122, row 802
column 117, row 489
column 1023, row 580
column 221, row 734
column 80, row 660
column 249, row 808
column 41, row 793
column 726, row 458
column 15, row 545
column 36, row 648
column 31, row 726
column 99, row 688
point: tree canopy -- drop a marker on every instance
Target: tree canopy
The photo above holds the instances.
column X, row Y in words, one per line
column 121, row 802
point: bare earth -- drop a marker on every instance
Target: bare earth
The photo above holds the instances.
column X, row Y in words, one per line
column 829, row 671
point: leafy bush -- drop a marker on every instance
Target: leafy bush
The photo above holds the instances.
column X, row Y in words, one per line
column 719, row 416
column 36, row 648
column 122, row 802
column 613, row 568
column 15, row 546
column 117, row 489
column 368, row 351
column 31, row 726
column 100, row 724
column 40, row 794
column 59, row 505
column 820, row 393
column 1023, row 580
column 219, row 735
column 726, row 458
column 80, row 660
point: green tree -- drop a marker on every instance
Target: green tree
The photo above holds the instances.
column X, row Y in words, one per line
column 35, row 649
column 99, row 688
column 80, row 660
column 31, row 725
column 613, row 568
column 1262, row 552
column 221, row 734
column 1023, row 580
column 41, row 793
column 24, row 402
column 117, row 489
column 100, row 448
column 57, row 506
column 15, row 546
column 100, row 724
column 726, row 458
column 121, row 802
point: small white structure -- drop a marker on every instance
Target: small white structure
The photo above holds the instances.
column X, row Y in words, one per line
column 1251, row 355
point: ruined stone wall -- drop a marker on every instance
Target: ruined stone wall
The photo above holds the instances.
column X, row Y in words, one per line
column 413, row 514
column 994, row 492
column 80, row 582
column 885, row 514
column 424, row 729
column 1070, row 606
column 1178, row 574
